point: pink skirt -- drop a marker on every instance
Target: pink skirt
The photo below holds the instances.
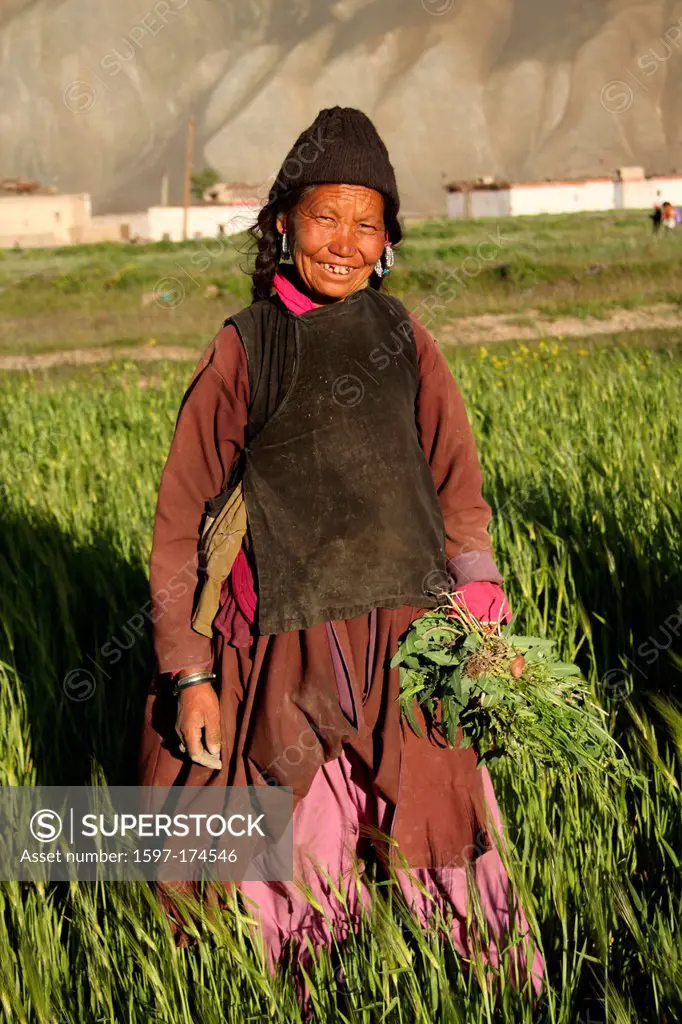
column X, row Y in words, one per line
column 327, row 828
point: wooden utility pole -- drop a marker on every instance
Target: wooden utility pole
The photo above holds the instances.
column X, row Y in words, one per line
column 188, row 175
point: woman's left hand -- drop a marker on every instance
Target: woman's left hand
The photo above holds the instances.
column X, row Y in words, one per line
column 485, row 601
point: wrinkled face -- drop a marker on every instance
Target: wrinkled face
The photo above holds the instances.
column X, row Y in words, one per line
column 336, row 234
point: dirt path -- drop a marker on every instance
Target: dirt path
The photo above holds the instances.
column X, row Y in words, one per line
column 468, row 331
column 91, row 356
column 509, row 327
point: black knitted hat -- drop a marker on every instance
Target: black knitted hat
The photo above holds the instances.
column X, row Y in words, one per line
column 340, row 147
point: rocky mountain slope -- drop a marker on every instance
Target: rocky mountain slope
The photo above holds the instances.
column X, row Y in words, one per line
column 96, row 97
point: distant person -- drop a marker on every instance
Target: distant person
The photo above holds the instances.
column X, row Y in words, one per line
column 670, row 215
column 656, row 217
column 666, row 215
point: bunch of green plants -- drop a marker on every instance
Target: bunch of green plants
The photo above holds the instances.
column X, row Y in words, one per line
column 480, row 684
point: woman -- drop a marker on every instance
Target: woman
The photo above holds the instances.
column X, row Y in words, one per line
column 363, row 495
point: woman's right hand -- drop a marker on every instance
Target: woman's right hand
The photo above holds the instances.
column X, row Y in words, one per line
column 198, row 725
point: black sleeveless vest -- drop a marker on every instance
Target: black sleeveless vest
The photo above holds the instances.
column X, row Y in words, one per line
column 342, row 509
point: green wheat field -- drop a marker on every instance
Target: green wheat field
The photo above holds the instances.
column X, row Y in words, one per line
column 581, row 448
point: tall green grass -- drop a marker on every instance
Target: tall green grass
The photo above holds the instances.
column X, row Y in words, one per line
column 582, row 460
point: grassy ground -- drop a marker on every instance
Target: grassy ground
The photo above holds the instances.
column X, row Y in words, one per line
column 112, row 294
column 582, row 458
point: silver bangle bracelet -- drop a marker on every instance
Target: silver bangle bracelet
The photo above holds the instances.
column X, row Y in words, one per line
column 192, row 680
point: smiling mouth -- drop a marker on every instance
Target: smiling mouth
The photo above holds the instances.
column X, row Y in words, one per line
column 337, row 268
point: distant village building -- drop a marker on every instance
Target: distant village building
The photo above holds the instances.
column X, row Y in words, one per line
column 165, row 223
column 25, row 187
column 42, row 218
column 630, row 190
column 235, row 194
column 35, row 217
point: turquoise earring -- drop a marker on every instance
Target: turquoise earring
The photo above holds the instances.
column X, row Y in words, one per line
column 389, row 260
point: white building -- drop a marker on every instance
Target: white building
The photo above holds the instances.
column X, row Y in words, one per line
column 43, row 220
column 630, row 191
column 645, row 193
column 165, row 223
column 36, row 221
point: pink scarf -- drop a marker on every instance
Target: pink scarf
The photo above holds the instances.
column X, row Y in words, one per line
column 292, row 298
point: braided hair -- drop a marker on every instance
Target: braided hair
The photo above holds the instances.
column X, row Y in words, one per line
column 268, row 240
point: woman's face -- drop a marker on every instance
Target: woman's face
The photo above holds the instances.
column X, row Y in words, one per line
column 336, row 234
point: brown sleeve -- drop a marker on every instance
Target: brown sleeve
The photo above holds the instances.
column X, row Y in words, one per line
column 209, row 432
column 448, row 443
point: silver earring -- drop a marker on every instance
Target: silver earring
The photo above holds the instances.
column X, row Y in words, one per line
column 389, row 260
column 285, row 246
